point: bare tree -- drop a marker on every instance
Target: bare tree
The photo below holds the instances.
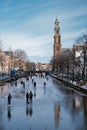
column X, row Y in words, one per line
column 82, row 43
column 21, row 54
column 2, row 58
column 22, row 57
column 58, row 62
column 53, row 62
column 28, row 65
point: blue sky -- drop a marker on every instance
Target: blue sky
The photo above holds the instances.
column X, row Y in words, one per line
column 29, row 25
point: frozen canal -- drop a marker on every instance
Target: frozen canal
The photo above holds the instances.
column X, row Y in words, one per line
column 55, row 107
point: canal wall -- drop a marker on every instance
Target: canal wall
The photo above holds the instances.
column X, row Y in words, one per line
column 68, row 83
column 5, row 79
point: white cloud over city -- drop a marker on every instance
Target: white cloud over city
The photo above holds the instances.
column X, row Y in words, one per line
column 29, row 25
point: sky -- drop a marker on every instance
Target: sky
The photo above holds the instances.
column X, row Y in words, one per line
column 29, row 25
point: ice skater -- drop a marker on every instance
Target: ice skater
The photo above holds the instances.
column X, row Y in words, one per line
column 30, row 96
column 9, row 99
column 44, row 84
column 35, row 84
column 27, row 97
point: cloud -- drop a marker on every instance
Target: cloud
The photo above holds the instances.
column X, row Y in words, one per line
column 30, row 25
column 74, row 34
column 34, row 46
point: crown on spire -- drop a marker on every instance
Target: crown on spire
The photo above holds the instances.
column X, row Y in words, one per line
column 56, row 22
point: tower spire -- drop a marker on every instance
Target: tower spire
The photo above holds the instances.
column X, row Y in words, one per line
column 57, row 41
column 56, row 29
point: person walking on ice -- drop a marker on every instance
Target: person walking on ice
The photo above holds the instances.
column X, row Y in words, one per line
column 30, row 96
column 9, row 99
column 44, row 84
column 34, row 84
column 27, row 97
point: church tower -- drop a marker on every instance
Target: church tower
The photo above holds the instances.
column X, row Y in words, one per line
column 57, row 41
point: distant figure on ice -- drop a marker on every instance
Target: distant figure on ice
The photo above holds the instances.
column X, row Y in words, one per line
column 9, row 99
column 30, row 96
column 35, row 84
column 23, row 84
column 32, row 80
column 27, row 78
column 27, row 97
column 44, row 83
column 47, row 78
